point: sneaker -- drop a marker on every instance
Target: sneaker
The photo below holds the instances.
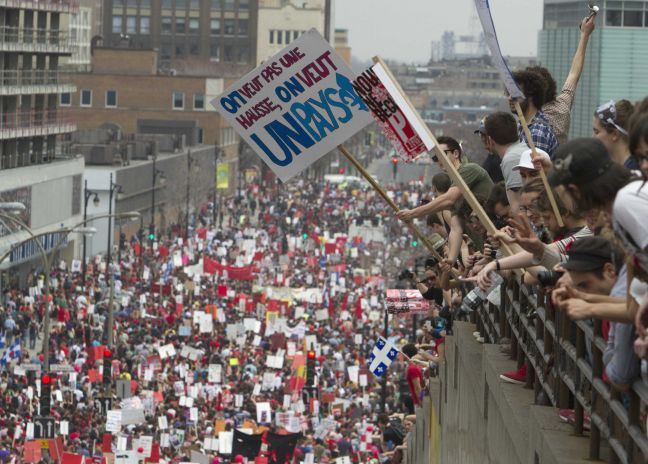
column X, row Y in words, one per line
column 569, row 416
column 517, row 377
column 480, row 339
column 476, row 334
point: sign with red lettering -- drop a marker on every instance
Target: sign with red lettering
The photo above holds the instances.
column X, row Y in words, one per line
column 297, row 106
column 393, row 114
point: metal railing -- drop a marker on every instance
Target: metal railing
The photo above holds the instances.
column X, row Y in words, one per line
column 61, row 6
column 35, row 123
column 565, row 362
column 34, row 39
column 31, row 77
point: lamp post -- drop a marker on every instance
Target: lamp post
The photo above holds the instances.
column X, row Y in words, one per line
column 112, row 188
column 156, row 173
column 87, row 194
column 190, row 162
column 47, row 264
column 217, row 155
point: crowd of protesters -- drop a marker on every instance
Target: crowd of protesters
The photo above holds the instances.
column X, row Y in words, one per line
column 195, row 321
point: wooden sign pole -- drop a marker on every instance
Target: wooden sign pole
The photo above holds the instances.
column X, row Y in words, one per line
column 450, row 168
column 415, row 230
column 534, row 154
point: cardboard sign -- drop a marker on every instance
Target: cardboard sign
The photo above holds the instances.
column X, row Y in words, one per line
column 392, row 113
column 296, row 107
column 483, row 9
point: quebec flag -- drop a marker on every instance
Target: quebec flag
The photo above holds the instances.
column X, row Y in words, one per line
column 382, row 356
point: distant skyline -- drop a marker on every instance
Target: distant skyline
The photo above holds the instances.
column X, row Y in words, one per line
column 403, row 30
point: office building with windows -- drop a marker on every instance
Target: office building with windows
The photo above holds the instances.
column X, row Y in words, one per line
column 221, row 31
column 282, row 21
column 616, row 65
column 35, row 167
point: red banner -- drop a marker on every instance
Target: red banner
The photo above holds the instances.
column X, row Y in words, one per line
column 211, row 266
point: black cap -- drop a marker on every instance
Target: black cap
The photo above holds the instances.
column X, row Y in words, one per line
column 579, row 161
column 588, row 254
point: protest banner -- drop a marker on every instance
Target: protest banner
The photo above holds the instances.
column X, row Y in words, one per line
column 490, row 35
column 222, row 176
column 383, row 73
column 295, row 107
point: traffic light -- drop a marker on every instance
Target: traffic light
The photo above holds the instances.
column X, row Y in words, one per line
column 394, row 160
column 414, row 243
column 310, row 369
column 45, row 395
column 122, row 240
column 107, row 366
column 305, row 235
column 152, row 232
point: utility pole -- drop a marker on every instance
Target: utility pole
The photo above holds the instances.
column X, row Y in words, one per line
column 189, row 163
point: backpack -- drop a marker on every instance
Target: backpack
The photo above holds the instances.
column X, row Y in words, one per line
column 399, row 429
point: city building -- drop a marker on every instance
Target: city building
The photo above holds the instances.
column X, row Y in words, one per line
column 35, row 165
column 341, row 44
column 84, row 28
column 615, row 65
column 222, row 32
column 282, row 21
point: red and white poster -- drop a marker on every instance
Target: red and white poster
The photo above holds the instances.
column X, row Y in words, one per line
column 405, row 302
column 393, row 114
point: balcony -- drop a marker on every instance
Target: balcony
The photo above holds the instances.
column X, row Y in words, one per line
column 30, row 40
column 59, row 6
column 32, row 81
column 35, row 123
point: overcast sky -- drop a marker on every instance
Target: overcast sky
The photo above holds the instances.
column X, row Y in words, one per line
column 403, row 29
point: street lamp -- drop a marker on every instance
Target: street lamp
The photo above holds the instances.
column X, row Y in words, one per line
column 80, row 227
column 156, row 173
column 95, row 202
column 217, row 156
column 12, row 207
column 112, row 189
column 190, row 162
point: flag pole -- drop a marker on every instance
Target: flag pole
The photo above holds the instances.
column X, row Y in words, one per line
column 534, row 155
column 415, row 230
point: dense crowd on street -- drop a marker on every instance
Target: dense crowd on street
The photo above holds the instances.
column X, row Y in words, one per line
column 212, row 327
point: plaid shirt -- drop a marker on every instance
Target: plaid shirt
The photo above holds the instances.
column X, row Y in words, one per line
column 558, row 112
column 542, row 134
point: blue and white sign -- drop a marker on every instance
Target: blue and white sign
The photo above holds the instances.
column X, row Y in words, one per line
column 382, row 356
column 483, row 8
column 297, row 106
column 30, row 248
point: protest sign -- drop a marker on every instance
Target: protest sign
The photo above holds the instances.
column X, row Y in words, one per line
column 483, row 9
column 296, row 107
column 113, row 421
column 395, row 118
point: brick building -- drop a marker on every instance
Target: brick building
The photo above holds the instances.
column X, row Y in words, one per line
column 221, row 31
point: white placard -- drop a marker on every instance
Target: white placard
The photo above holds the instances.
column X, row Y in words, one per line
column 279, row 96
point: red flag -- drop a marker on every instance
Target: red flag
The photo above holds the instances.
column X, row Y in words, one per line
column 222, row 291
column 106, row 445
column 330, row 248
column 71, row 458
column 202, row 233
column 164, row 251
column 137, row 249
column 155, row 453
column 211, row 266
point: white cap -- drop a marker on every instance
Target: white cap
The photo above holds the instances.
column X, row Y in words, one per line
column 525, row 159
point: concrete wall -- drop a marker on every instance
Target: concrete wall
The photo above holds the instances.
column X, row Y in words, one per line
column 485, row 420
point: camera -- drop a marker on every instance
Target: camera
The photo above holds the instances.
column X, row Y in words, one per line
column 549, row 278
column 405, row 274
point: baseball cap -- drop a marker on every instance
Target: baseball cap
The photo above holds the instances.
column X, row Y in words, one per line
column 526, row 159
column 482, row 126
column 588, row 254
column 579, row 161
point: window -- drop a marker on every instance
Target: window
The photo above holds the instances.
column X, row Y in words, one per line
column 271, row 39
column 287, row 33
column 633, row 14
column 244, row 4
column 216, row 4
column 193, row 49
column 178, row 100
column 145, row 3
column 180, row 50
column 295, row 35
column 199, row 101
column 181, row 4
column 165, row 51
column 111, row 99
column 131, row 3
column 228, row 27
column 145, row 25
column 167, row 4
column 117, row 25
column 131, row 24
column 194, row 5
column 180, row 26
column 229, row 5
column 243, row 27
column 613, row 13
column 66, row 99
column 193, row 25
column 215, row 27
column 167, row 25
column 214, row 51
column 86, row 98
column 280, row 37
